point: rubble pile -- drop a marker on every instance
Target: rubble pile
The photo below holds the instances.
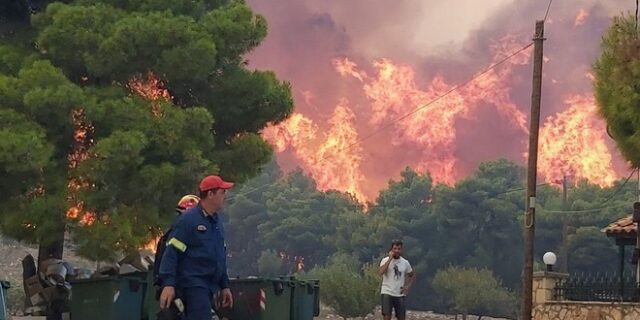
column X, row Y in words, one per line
column 50, row 288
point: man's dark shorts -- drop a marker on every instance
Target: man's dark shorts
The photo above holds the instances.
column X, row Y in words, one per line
column 395, row 303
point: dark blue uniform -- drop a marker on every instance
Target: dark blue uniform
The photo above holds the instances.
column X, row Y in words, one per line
column 195, row 261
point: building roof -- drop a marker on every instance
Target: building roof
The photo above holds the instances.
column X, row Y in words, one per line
column 622, row 228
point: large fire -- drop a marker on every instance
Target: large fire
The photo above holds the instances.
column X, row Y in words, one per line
column 572, row 143
column 332, row 159
column 394, row 93
column 424, row 119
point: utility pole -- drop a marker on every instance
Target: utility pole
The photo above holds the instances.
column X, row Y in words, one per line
column 564, row 250
column 530, row 215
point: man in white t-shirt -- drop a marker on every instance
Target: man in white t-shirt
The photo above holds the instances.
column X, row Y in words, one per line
column 397, row 278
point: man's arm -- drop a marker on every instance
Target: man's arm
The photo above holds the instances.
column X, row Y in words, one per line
column 385, row 265
column 176, row 246
column 408, row 282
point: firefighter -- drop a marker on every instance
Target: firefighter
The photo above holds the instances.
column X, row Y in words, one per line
column 193, row 266
column 187, row 202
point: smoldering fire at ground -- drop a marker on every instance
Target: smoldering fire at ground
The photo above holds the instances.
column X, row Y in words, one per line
column 353, row 77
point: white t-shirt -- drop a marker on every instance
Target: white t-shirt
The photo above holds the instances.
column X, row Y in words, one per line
column 393, row 279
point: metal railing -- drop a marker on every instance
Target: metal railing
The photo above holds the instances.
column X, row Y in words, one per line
column 598, row 287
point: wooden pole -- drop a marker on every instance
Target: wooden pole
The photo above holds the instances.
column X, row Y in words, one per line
column 529, row 218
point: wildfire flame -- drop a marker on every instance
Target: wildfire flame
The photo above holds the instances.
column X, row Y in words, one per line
column 347, row 67
column 338, row 158
column 581, row 17
column 424, row 118
column 572, row 143
column 82, row 137
column 151, row 245
column 335, row 163
column 432, row 129
column 152, row 89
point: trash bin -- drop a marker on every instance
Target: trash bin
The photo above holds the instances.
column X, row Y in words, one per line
column 151, row 305
column 305, row 303
column 316, row 297
column 259, row 299
column 112, row 298
column 4, row 285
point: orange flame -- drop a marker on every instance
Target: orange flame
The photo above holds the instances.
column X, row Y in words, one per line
column 394, row 93
column 83, row 131
column 152, row 89
column 335, row 163
column 347, row 67
column 572, row 143
column 151, row 245
column 296, row 132
column 81, row 137
column 78, row 213
column 581, row 17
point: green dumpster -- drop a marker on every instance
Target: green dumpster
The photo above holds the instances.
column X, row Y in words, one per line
column 305, row 303
column 112, row 298
column 151, row 306
column 4, row 285
column 259, row 299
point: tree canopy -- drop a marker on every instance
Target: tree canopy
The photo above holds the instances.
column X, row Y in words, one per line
column 617, row 84
column 117, row 108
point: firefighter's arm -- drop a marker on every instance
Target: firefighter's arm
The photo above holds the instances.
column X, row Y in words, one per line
column 176, row 246
column 224, row 281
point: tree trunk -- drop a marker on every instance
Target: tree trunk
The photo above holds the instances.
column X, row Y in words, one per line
column 51, row 249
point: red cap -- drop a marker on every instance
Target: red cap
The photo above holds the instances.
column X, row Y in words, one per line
column 214, row 182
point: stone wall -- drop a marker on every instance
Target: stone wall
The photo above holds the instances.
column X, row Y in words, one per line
column 574, row 310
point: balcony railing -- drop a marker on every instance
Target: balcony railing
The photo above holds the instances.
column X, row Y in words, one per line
column 598, row 287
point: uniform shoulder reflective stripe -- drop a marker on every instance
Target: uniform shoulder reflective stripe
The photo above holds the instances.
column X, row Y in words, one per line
column 177, row 244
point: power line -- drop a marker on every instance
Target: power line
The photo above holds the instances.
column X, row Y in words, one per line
column 637, row 2
column 615, row 193
column 549, row 7
column 580, row 211
column 518, row 189
column 619, row 188
column 414, row 111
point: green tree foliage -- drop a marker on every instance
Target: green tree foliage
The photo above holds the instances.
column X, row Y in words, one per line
column 590, row 251
column 473, row 291
column 269, row 264
column 617, row 73
column 72, row 63
column 349, row 290
column 479, row 215
column 475, row 224
column 301, row 220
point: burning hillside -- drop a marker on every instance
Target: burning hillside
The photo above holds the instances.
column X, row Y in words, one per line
column 366, row 109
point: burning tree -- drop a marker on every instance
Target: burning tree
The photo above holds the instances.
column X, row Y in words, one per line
column 617, row 75
column 111, row 110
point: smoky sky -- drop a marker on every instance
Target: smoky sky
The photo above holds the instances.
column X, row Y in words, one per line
column 451, row 38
